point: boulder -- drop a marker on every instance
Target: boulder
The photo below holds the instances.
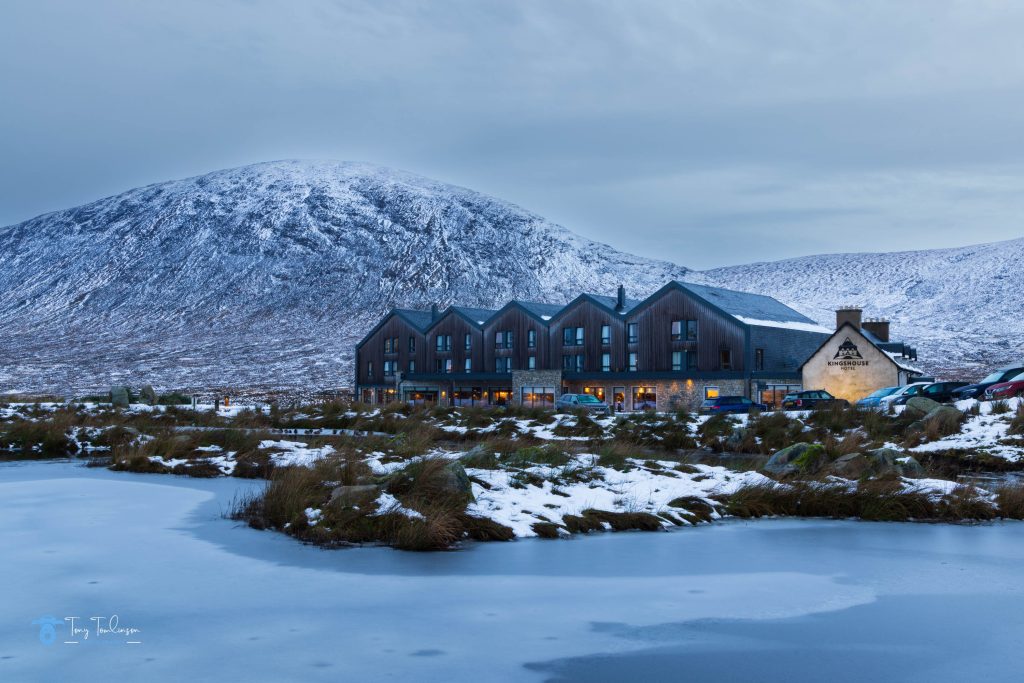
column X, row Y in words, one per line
column 352, row 496
column 850, row 466
column 921, row 406
column 120, row 397
column 877, row 463
column 148, row 395
column 479, row 457
column 782, row 462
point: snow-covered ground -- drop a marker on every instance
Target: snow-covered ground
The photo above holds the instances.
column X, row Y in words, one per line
column 215, row 601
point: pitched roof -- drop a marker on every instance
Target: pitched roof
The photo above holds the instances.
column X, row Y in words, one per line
column 752, row 309
column 896, row 360
column 476, row 315
column 543, row 311
column 419, row 319
column 611, row 302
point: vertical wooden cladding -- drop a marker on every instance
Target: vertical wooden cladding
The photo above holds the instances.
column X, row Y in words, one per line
column 590, row 316
column 373, row 351
column 453, row 324
column 715, row 332
column 517, row 321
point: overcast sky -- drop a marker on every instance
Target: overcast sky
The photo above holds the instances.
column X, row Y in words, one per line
column 708, row 133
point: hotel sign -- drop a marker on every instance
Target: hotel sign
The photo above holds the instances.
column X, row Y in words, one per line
column 847, row 357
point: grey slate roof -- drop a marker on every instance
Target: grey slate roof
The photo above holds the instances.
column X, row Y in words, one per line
column 541, row 310
column 611, row 301
column 477, row 315
column 747, row 305
column 419, row 319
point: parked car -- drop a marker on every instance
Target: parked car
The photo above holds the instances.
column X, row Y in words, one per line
column 997, row 392
column 905, row 393
column 942, row 391
column 870, row 402
column 730, row 404
column 977, row 390
column 592, row 404
column 808, row 400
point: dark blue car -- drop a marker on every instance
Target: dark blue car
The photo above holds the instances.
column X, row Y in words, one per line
column 730, row 404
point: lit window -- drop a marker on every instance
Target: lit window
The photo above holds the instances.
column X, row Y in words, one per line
column 645, row 398
column 710, row 392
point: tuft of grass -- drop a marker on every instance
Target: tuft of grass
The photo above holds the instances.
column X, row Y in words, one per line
column 624, row 521
column 546, row 529
column 697, row 509
column 1017, row 423
column 1000, row 407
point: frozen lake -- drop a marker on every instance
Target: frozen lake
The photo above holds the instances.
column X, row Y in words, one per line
column 780, row 600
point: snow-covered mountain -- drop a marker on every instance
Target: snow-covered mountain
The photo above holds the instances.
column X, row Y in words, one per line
column 266, row 276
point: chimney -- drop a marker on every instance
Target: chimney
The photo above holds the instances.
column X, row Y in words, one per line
column 878, row 327
column 620, row 300
column 848, row 314
column 433, row 312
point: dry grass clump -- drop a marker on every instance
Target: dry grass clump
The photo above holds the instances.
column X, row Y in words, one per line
column 1017, row 423
column 1000, row 407
column 774, row 430
column 714, row 431
column 546, row 529
column 874, row 500
column 624, row 521
column 43, row 437
column 1010, row 499
column 583, row 425
column 695, row 509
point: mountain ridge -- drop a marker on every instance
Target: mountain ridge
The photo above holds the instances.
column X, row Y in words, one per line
column 266, row 276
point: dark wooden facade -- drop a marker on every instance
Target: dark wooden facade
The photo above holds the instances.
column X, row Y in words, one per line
column 454, row 324
column 372, row 351
column 716, row 332
column 517, row 320
column 590, row 315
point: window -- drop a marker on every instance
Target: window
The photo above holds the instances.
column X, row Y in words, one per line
column 632, row 361
column 538, row 397
column 531, row 363
column 606, row 362
column 606, row 334
column 439, row 366
column 691, row 361
column 468, row 341
column 469, row 365
column 390, row 367
column 677, row 359
column 691, row 330
column 632, row 333
column 448, row 365
column 677, row 330
column 443, row 342
column 710, row 392
column 579, row 336
column 596, row 392
column 412, row 366
column 503, row 364
column 369, row 369
column 567, row 361
column 645, row 398
column 412, row 344
column 503, row 339
column 391, row 345
column 725, row 359
column 467, row 396
column 531, row 339
column 759, row 359
column 572, row 336
column 579, row 362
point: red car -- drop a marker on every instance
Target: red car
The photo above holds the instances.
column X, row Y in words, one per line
column 1015, row 387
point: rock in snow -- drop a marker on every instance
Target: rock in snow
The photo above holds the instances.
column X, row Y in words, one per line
column 267, row 275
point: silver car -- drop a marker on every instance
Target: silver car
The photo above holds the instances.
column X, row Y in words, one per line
column 570, row 402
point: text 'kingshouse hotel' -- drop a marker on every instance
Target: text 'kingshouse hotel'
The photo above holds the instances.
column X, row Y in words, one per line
column 679, row 346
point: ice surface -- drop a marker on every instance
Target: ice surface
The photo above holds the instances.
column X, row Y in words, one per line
column 772, row 600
